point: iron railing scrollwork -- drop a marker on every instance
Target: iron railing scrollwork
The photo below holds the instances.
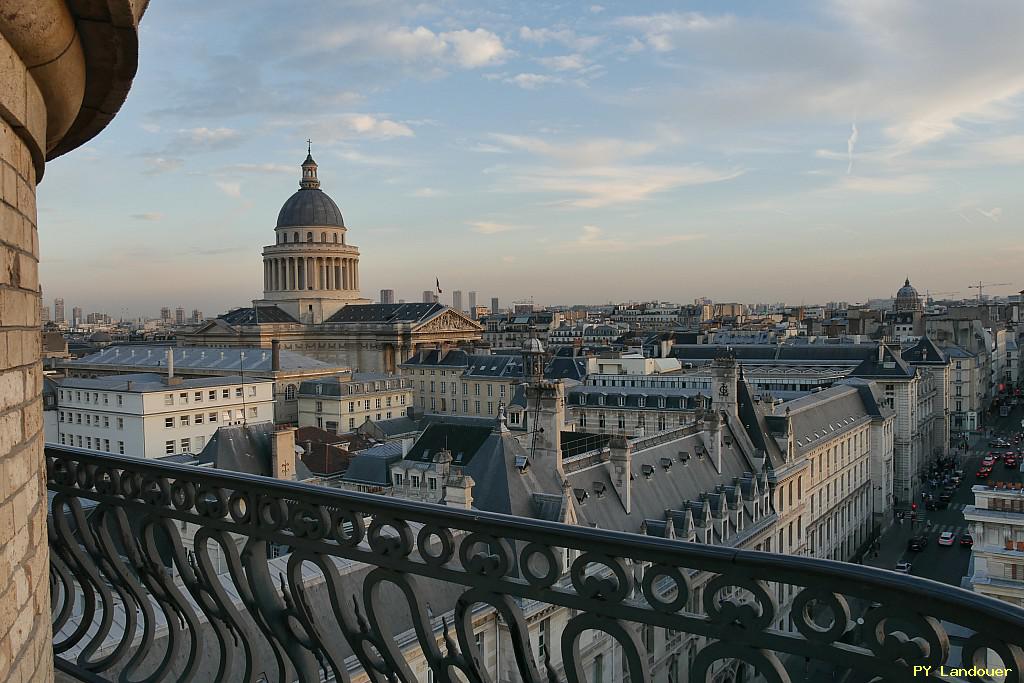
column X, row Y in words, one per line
column 136, row 547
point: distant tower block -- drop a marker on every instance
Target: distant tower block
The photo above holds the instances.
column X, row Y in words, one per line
column 387, row 296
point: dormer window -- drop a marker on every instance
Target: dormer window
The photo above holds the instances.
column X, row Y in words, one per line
column 599, row 488
column 666, row 464
column 647, row 470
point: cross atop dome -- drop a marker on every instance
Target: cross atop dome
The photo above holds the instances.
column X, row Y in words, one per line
column 309, row 180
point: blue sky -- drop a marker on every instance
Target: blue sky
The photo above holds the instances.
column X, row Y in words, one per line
column 569, row 152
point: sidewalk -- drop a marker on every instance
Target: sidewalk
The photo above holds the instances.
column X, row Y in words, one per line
column 892, row 546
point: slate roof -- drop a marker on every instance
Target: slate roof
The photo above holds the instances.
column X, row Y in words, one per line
column 192, row 359
column 566, row 368
column 892, row 366
column 143, row 382
column 373, row 465
column 261, row 314
column 309, row 207
column 657, row 491
column 797, row 353
column 676, row 398
column 386, row 313
column 351, row 385
column 245, row 448
column 489, row 455
column 822, row 415
column 925, row 352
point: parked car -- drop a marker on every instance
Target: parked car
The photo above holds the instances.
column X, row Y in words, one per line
column 982, row 474
column 946, row 538
column 902, row 567
column 966, row 540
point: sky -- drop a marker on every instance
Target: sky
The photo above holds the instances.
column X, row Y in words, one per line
column 565, row 152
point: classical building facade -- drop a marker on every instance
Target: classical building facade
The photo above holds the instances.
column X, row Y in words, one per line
column 310, row 271
column 311, row 300
column 344, row 402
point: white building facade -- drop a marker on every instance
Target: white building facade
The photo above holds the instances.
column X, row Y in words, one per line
column 147, row 415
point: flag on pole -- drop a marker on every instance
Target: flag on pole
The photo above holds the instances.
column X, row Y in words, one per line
column 438, row 285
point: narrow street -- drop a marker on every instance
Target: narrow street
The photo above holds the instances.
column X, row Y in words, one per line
column 948, row 564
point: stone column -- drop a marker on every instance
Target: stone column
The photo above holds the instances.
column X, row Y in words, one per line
column 58, row 89
column 355, row 274
column 336, row 265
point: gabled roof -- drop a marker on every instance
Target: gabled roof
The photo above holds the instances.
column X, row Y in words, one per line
column 245, row 448
column 386, row 313
column 258, row 315
column 925, row 352
column 891, row 366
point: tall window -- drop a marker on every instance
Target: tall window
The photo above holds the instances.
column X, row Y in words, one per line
column 289, row 392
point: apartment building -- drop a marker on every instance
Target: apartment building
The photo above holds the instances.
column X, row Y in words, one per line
column 154, row 415
column 342, row 403
column 996, row 523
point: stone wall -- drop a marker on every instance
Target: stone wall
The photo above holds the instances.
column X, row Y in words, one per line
column 65, row 69
column 24, row 602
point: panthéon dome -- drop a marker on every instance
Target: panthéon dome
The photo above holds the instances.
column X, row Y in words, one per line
column 309, row 206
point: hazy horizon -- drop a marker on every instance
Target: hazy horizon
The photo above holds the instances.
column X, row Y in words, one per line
column 582, row 153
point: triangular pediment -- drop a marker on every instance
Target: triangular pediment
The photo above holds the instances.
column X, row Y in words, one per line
column 449, row 320
column 216, row 327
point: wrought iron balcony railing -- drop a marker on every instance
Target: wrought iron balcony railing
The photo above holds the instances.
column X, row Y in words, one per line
column 370, row 579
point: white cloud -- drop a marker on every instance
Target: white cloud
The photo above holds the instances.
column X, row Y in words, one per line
column 427, row 193
column 663, row 31
column 903, row 184
column 474, row 49
column 230, row 188
column 597, row 187
column 594, row 239
column 851, row 144
column 373, row 127
column 161, row 164
column 573, row 62
column 148, row 216
column 470, row 49
column 532, row 81
column 259, row 168
column 492, row 228
column 209, row 137
column 993, row 214
column 582, row 152
column 562, row 36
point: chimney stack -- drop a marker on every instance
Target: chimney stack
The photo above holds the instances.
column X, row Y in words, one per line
column 458, row 489
column 620, row 467
column 282, row 453
column 714, row 430
column 275, row 355
column 171, row 379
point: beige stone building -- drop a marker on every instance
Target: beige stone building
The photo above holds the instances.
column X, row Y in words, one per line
column 996, row 522
column 312, row 303
column 65, row 69
column 342, row 403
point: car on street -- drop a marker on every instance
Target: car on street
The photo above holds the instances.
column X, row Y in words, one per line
column 917, row 543
column 936, row 505
column 902, row 567
column 966, row 540
column 946, row 538
column 982, row 474
column 988, row 461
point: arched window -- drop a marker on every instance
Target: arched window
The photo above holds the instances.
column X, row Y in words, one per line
column 335, row 238
column 282, row 237
column 309, row 237
column 295, row 237
column 323, row 237
column 289, row 392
